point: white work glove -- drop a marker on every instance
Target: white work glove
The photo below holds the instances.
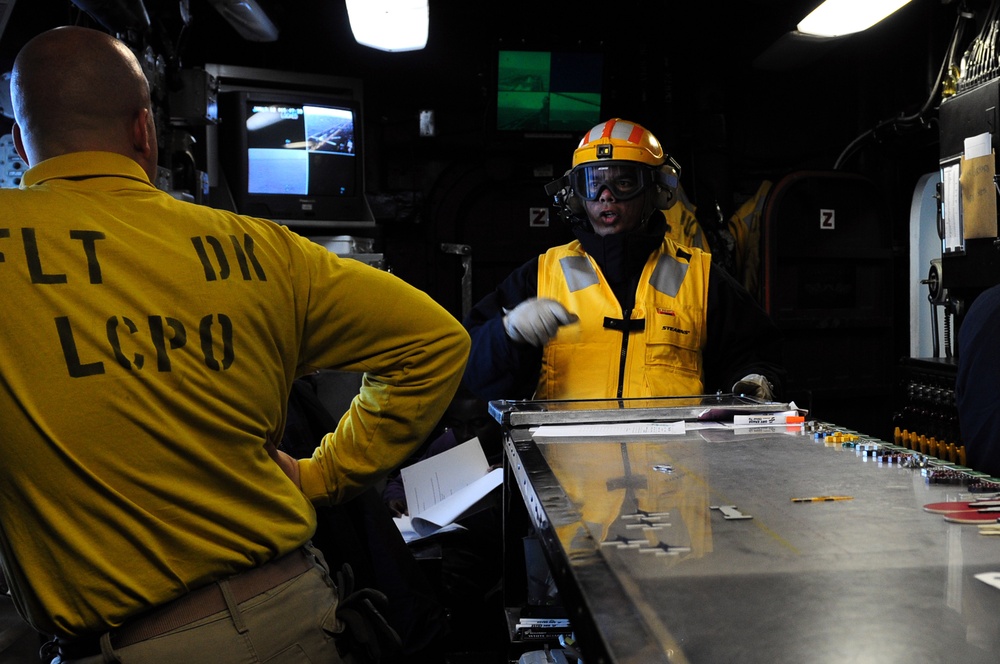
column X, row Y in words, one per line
column 754, row 385
column 535, row 321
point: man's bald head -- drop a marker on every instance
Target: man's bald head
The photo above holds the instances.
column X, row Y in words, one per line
column 76, row 89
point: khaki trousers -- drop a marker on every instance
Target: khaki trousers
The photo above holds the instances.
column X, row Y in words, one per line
column 293, row 623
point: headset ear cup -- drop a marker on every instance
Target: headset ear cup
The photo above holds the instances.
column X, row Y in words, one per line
column 665, row 197
column 575, row 205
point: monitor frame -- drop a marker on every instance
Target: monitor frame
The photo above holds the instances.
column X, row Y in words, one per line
column 228, row 142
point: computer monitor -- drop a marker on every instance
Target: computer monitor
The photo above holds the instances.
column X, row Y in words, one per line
column 294, row 156
column 548, row 91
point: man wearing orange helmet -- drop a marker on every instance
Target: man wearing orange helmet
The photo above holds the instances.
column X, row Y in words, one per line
column 624, row 310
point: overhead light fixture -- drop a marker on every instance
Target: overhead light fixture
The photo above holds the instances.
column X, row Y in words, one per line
column 835, row 18
column 389, row 25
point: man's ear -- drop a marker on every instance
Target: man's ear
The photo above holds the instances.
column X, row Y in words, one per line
column 19, row 144
column 141, row 132
column 144, row 145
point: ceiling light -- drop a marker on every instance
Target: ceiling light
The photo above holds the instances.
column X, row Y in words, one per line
column 834, row 18
column 389, row 25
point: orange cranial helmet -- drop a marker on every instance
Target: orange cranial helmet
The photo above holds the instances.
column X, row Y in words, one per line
column 621, row 141
column 623, row 157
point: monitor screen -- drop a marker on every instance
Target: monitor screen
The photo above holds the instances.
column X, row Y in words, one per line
column 548, row 91
column 300, row 148
column 297, row 156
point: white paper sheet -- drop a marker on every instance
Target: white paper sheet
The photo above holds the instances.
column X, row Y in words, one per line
column 442, row 488
column 430, row 481
column 447, row 511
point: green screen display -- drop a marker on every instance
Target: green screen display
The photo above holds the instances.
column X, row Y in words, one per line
column 548, row 91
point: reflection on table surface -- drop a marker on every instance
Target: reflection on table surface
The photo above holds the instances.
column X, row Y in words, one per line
column 700, row 532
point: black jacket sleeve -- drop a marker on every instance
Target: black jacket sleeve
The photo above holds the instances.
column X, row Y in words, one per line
column 498, row 368
column 742, row 338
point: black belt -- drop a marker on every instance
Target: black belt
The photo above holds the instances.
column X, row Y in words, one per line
column 194, row 606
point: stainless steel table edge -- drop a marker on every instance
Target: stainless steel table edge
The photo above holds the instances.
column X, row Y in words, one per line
column 624, row 637
column 520, row 413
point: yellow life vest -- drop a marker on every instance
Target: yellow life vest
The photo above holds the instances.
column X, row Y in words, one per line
column 656, row 352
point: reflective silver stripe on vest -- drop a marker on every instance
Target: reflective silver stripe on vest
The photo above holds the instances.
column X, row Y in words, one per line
column 578, row 272
column 668, row 275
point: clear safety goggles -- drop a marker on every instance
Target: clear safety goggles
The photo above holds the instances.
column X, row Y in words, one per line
column 625, row 180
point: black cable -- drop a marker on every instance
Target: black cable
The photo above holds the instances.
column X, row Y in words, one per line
column 919, row 116
column 945, row 64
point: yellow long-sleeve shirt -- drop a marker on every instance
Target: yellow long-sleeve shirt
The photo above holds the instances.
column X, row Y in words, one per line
column 147, row 351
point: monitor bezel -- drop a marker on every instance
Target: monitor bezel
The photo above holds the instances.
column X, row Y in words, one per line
column 290, row 209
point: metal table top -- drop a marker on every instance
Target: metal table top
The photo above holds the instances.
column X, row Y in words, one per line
column 655, row 564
